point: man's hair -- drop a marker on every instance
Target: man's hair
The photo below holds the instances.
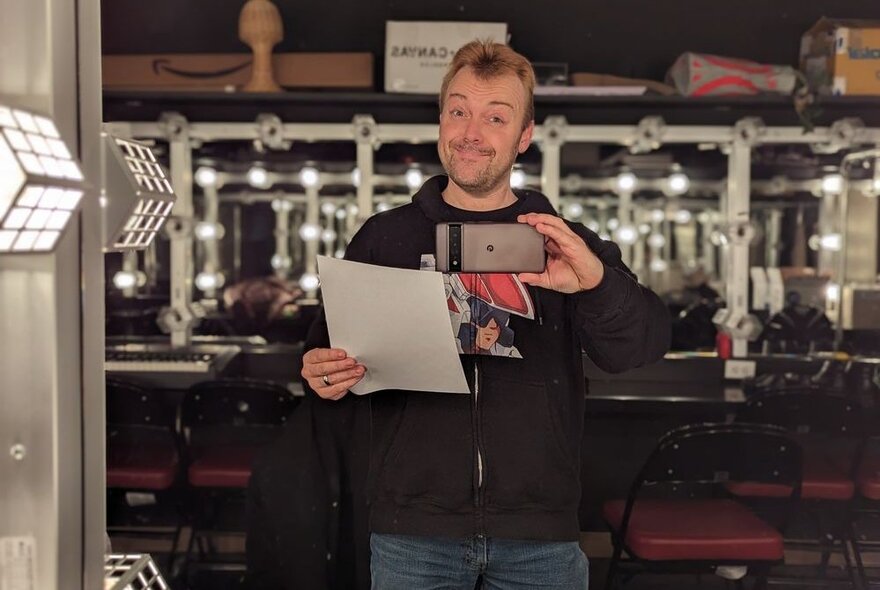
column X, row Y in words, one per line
column 489, row 60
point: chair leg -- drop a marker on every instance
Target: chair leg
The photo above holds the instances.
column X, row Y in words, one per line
column 857, row 553
column 610, row 578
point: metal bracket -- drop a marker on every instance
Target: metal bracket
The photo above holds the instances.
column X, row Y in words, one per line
column 174, row 126
column 179, row 227
column 843, row 134
column 270, row 133
column 749, row 130
column 648, row 135
column 739, row 233
column 554, row 131
column 365, row 131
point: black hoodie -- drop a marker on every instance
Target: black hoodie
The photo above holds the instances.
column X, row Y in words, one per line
column 504, row 461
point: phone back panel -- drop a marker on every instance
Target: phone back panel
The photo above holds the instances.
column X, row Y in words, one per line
column 501, row 247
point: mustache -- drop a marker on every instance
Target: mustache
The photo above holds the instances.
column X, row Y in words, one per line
column 468, row 146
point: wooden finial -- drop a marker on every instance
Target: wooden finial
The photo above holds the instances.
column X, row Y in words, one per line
column 259, row 27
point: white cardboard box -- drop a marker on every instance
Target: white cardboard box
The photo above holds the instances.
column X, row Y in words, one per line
column 418, row 53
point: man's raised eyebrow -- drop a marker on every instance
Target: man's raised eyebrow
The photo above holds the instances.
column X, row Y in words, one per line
column 493, row 103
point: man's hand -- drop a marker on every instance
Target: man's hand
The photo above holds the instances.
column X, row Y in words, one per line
column 571, row 265
column 331, row 372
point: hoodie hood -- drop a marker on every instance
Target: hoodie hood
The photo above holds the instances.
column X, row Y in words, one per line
column 429, row 199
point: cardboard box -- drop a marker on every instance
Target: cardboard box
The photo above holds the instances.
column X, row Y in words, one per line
column 418, row 53
column 227, row 71
column 842, row 56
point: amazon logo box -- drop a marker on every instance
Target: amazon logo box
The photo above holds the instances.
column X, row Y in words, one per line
column 231, row 71
column 418, row 53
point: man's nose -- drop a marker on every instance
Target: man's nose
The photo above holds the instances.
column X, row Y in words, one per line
column 473, row 132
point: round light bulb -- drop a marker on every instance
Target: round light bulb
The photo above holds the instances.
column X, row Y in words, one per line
column 831, row 242
column 257, row 177
column 328, row 235
column 205, row 230
column 644, row 229
column 612, row 224
column 125, row 279
column 309, row 282
column 658, row 265
column 593, row 226
column 573, row 210
column 656, row 240
column 281, row 205
column 206, row 176
column 309, row 177
column 678, row 183
column 414, row 178
column 309, row 232
column 832, row 292
column 340, row 253
column 658, row 215
column 517, row 178
column 328, row 208
column 605, row 236
column 341, row 213
column 626, row 182
column 382, row 207
column 627, row 234
column 205, row 281
column 281, row 261
column 682, row 216
column 832, row 184
column 356, row 177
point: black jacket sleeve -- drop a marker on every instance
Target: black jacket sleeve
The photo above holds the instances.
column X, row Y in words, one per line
column 621, row 323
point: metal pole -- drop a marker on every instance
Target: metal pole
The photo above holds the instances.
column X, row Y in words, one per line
column 737, row 218
column 365, row 137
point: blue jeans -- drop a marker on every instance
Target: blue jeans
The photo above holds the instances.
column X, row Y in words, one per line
column 401, row 562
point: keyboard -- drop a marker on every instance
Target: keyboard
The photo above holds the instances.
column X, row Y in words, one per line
column 158, row 362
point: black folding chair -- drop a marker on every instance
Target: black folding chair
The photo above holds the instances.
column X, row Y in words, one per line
column 678, row 517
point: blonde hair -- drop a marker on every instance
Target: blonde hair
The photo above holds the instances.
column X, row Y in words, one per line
column 489, row 60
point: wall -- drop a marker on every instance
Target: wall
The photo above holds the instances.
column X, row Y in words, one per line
column 625, row 37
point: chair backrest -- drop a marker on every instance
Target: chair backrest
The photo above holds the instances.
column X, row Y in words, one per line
column 236, row 403
column 132, row 404
column 717, row 453
column 805, row 411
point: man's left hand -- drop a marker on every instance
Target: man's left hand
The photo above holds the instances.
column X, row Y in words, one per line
column 571, row 265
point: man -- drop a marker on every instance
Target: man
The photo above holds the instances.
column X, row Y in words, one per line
column 486, row 486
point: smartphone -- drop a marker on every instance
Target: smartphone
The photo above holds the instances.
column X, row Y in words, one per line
column 489, row 247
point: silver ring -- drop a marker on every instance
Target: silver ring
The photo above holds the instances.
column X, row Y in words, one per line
column 325, row 380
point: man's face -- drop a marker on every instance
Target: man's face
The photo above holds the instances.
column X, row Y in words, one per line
column 481, row 130
column 488, row 335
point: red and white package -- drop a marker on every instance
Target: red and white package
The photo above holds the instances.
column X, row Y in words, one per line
column 698, row 74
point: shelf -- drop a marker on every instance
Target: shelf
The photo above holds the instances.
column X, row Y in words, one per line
column 340, row 107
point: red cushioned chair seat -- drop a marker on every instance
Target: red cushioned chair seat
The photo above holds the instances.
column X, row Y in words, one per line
column 824, row 479
column 869, row 477
column 222, row 467
column 669, row 530
column 147, row 466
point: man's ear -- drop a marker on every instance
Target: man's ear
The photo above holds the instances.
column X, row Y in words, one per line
column 525, row 139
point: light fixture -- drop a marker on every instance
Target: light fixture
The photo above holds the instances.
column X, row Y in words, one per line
column 328, row 208
column 832, row 184
column 309, row 232
column 309, row 177
column 309, row 282
column 678, row 183
column 658, row 215
column 279, row 205
column 656, row 240
column 41, row 184
column 206, row 176
column 206, row 281
column 593, row 225
column 356, row 177
column 328, row 235
column 682, row 216
column 831, row 242
column 414, row 178
column 718, row 238
column 573, row 211
column 139, row 194
column 644, row 228
column 875, row 185
column 383, row 206
column 517, row 178
column 280, row 262
column 205, row 230
column 341, row 213
column 612, row 224
column 258, row 177
column 658, row 265
column 626, row 182
column 627, row 234
column 832, row 292
column 129, row 279
column 352, row 209
column 340, row 253
column 605, row 236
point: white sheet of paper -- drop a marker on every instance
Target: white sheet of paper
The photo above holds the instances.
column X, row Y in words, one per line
column 393, row 321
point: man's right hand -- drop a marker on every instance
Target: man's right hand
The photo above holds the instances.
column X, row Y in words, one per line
column 331, row 372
